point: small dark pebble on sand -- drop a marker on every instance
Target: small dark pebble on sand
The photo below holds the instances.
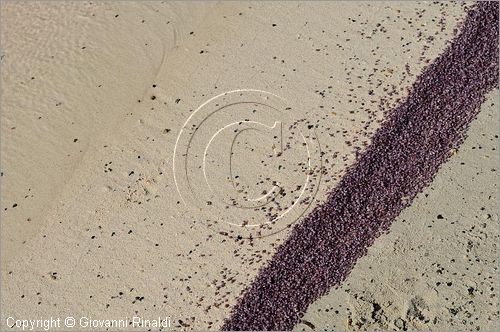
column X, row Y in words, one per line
column 403, row 158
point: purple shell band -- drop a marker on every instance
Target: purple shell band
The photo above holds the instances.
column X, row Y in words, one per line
column 405, row 154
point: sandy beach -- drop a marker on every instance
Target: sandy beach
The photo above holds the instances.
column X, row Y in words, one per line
column 156, row 155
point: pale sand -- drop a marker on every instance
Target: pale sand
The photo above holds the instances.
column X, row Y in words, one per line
column 72, row 71
column 438, row 267
column 109, row 232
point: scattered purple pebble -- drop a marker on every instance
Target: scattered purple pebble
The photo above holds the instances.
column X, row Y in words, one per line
column 403, row 158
